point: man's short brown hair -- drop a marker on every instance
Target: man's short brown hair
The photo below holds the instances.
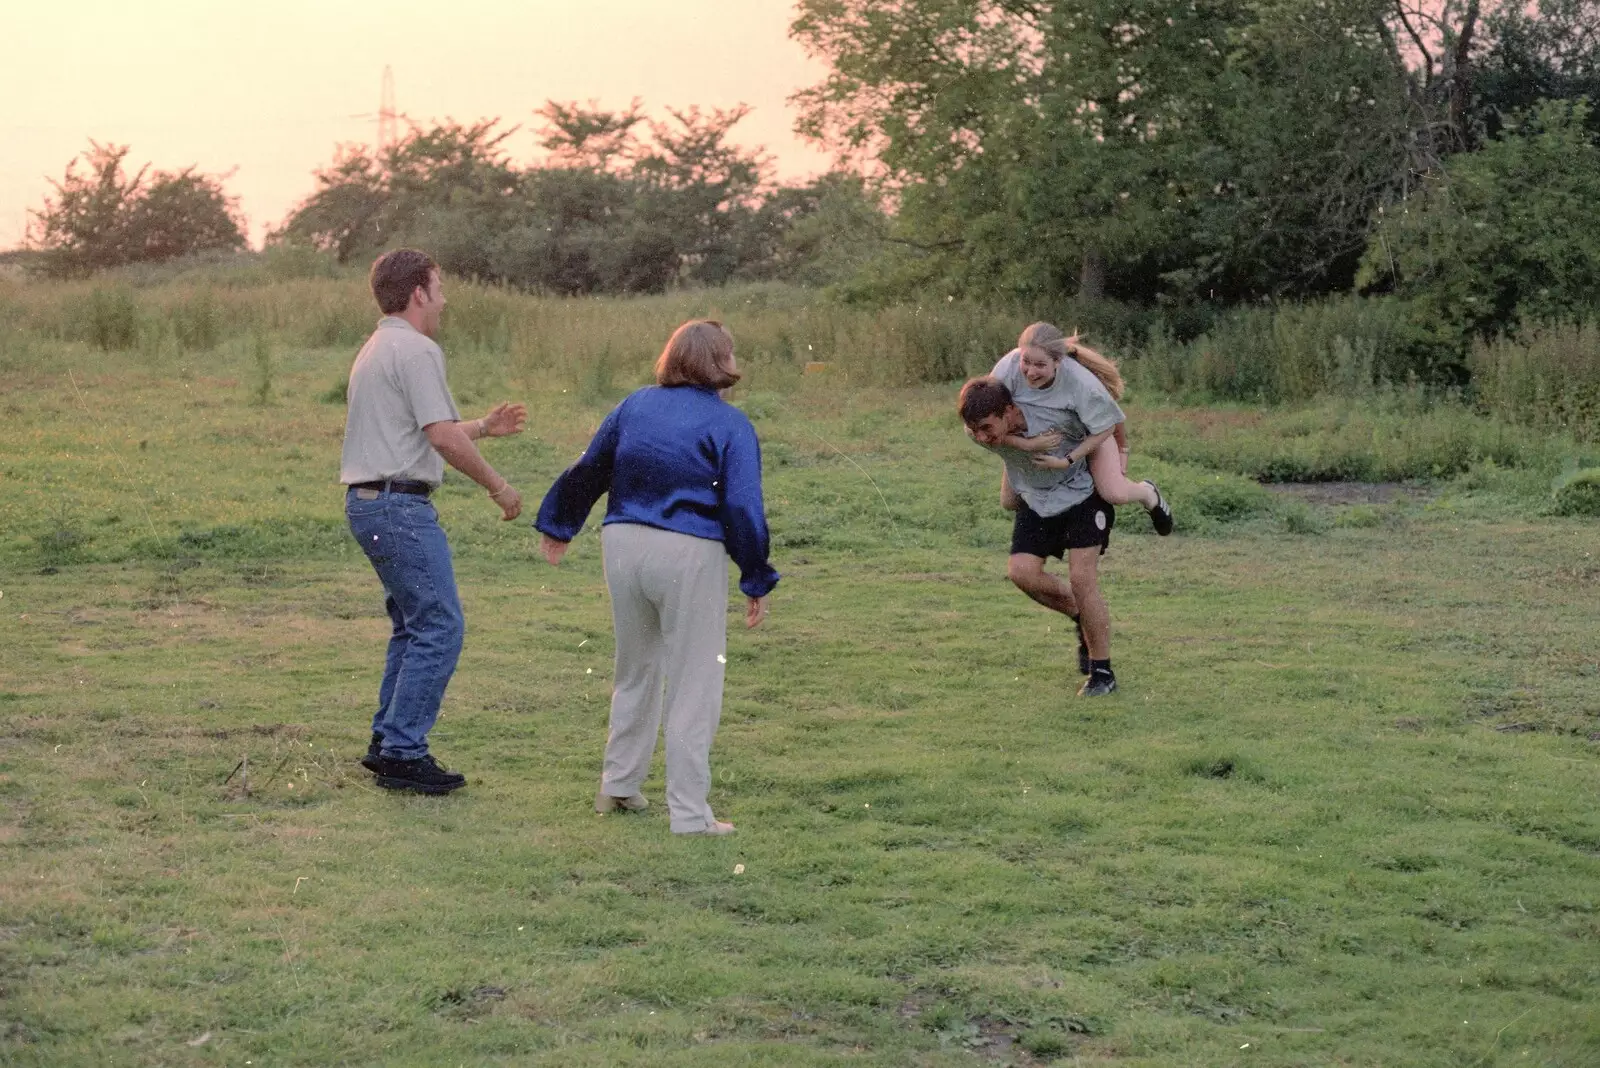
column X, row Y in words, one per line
column 398, row 274
column 981, row 398
column 699, row 353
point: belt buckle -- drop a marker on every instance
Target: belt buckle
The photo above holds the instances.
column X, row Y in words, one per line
column 366, row 494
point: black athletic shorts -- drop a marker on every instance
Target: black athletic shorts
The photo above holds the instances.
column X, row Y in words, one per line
column 1086, row 523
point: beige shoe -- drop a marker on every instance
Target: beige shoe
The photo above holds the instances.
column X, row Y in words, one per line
column 717, row 827
column 604, row 802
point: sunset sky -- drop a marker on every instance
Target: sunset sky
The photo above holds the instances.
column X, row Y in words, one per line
column 267, row 90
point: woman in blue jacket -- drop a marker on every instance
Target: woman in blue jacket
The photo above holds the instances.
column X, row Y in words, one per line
column 683, row 471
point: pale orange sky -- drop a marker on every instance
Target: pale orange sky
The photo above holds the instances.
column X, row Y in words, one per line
column 267, row 89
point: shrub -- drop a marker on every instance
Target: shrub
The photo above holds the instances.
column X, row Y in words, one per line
column 197, row 322
column 1228, row 500
column 64, row 542
column 1297, row 517
column 1578, row 494
column 1358, row 517
column 1045, row 1043
column 109, row 320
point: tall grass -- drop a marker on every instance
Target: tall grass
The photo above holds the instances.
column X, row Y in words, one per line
column 1549, row 379
column 774, row 325
column 1389, row 435
column 1344, row 347
column 1285, row 354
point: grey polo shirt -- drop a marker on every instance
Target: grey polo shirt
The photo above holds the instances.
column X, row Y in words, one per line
column 397, row 387
column 1078, row 406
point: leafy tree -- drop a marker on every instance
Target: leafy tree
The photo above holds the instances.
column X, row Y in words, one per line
column 581, row 232
column 1139, row 148
column 607, row 212
column 449, row 187
column 1549, row 50
column 101, row 217
column 1311, row 131
column 821, row 232
column 1504, row 236
column 345, row 215
column 589, row 138
column 453, row 191
column 181, row 213
column 698, row 186
column 1434, row 44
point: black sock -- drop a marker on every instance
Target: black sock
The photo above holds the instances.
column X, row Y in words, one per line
column 1100, row 667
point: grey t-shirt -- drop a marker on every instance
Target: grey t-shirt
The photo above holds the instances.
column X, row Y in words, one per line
column 397, row 387
column 1078, row 406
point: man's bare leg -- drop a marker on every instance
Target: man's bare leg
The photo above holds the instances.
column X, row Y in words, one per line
column 1083, row 569
column 1028, row 574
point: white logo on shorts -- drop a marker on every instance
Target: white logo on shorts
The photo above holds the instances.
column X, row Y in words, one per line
column 1100, row 520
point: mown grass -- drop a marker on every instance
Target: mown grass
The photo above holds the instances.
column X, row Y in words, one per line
column 1341, row 813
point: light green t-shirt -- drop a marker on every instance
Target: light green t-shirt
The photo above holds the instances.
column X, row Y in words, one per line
column 1078, row 406
column 397, row 387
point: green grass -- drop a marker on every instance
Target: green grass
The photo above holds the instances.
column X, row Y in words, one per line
column 1342, row 811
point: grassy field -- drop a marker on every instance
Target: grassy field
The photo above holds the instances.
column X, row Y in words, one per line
column 1343, row 811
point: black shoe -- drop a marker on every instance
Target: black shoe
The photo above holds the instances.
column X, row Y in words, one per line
column 1083, row 648
column 1161, row 514
column 424, row 775
column 1098, row 685
column 374, row 755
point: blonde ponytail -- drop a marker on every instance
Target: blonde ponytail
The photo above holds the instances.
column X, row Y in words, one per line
column 1050, row 339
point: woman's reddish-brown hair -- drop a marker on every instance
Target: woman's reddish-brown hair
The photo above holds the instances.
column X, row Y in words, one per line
column 699, row 353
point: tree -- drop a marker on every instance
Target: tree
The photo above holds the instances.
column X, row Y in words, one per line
column 181, row 213
column 102, row 218
column 588, row 138
column 453, row 191
column 1546, row 51
column 607, row 212
column 1469, row 65
column 818, row 233
column 1502, row 237
column 345, row 213
column 701, row 188
column 448, row 187
column 1140, row 148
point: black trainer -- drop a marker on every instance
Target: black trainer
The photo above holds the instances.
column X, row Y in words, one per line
column 1161, row 514
column 424, row 775
column 1098, row 685
column 1083, row 647
column 374, row 755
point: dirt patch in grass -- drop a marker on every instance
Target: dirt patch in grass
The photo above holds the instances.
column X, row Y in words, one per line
column 1207, row 419
column 1351, row 492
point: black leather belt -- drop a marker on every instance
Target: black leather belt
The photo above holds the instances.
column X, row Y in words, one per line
column 421, row 489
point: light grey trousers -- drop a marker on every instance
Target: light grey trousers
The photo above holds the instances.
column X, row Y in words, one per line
column 669, row 607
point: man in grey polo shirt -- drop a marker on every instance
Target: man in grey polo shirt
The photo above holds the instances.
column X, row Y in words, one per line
column 402, row 428
column 1058, row 512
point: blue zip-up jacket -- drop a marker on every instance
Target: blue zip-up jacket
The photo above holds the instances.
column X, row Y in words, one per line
column 676, row 458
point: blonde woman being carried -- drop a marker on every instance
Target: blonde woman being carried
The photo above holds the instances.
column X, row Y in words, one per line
column 1031, row 373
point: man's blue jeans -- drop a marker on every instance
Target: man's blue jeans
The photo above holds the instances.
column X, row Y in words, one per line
column 400, row 534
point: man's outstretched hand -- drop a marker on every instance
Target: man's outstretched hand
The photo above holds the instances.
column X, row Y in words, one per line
column 505, row 419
